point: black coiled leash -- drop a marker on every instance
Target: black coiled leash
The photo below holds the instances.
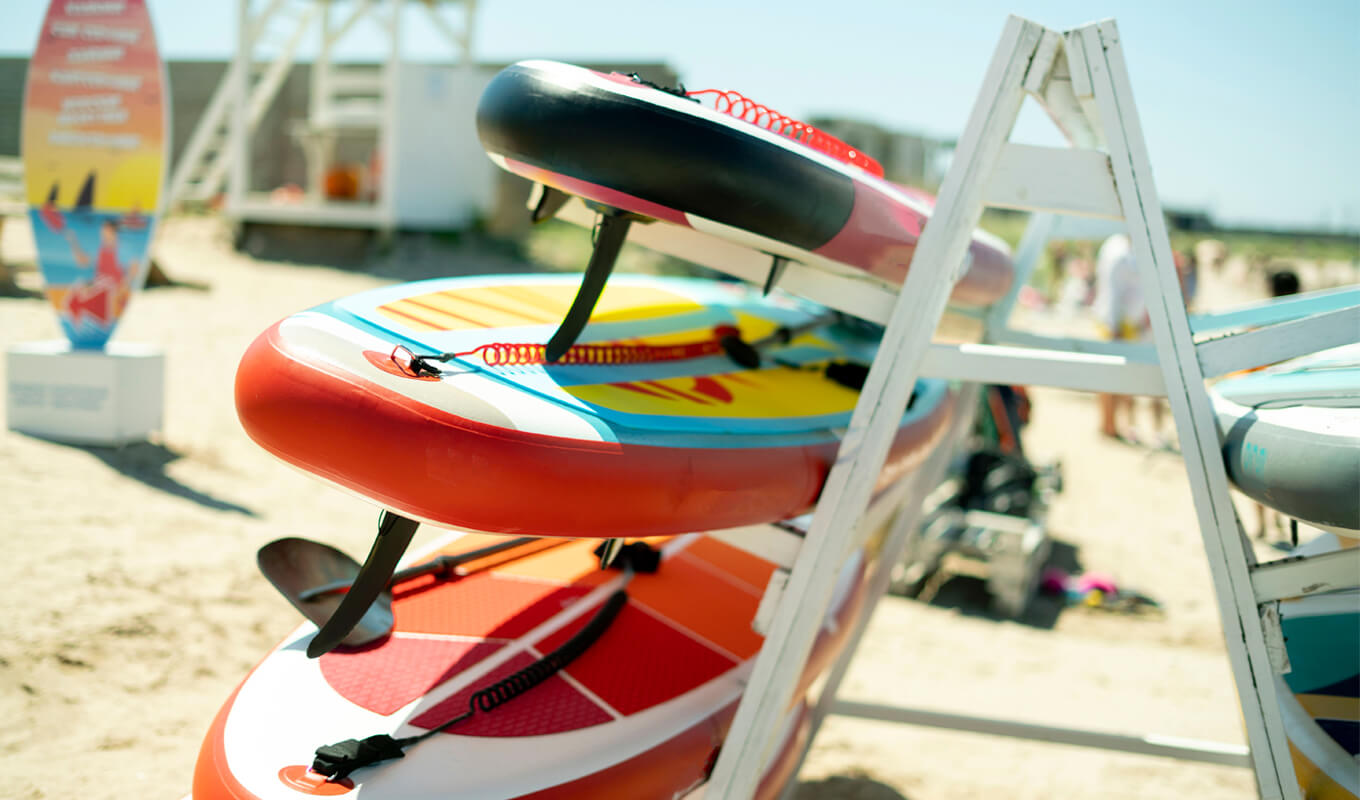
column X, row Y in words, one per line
column 337, row 761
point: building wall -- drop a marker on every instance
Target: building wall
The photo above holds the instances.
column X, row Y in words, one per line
column 192, row 83
column 277, row 159
column 13, row 73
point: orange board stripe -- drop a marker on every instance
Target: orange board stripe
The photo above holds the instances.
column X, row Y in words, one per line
column 392, row 311
column 741, row 565
column 442, row 312
column 507, row 310
column 720, row 614
column 573, row 563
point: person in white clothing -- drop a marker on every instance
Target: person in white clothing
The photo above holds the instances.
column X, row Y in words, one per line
column 1122, row 314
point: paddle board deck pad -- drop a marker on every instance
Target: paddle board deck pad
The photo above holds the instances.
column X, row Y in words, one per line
column 1320, row 695
column 721, row 164
column 645, row 427
column 1291, row 437
column 640, row 714
column 95, row 141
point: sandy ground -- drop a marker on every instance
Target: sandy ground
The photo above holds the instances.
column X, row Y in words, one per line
column 130, row 605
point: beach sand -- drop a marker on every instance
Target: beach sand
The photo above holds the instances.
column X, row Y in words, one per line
column 131, row 605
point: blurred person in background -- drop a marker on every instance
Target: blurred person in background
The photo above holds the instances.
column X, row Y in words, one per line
column 1121, row 313
column 1076, row 280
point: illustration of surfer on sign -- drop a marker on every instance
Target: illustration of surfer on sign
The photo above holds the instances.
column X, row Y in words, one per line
column 94, row 118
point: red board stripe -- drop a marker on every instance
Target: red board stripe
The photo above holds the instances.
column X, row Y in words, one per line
column 662, row 662
column 386, row 676
column 553, row 706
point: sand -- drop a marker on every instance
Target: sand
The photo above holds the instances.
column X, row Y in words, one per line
column 130, row 605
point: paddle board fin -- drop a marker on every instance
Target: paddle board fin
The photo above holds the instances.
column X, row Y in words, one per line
column 609, row 238
column 394, row 534
column 777, row 266
column 545, row 202
column 85, row 199
column 296, row 567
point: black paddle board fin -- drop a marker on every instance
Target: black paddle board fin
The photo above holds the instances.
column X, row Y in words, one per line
column 394, row 534
column 545, row 202
column 85, row 198
column 777, row 266
column 52, row 194
column 609, row 238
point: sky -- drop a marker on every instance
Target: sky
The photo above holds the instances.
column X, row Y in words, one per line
column 1250, row 109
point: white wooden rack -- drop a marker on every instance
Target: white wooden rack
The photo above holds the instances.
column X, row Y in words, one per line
column 1079, row 78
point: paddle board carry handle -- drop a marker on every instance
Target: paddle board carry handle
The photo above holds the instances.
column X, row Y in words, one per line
column 394, row 534
column 747, row 354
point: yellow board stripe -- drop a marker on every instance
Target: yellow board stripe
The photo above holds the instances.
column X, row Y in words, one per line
column 762, row 394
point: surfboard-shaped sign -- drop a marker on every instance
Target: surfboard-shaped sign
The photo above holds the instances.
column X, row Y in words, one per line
column 94, row 147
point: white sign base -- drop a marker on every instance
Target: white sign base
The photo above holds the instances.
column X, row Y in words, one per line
column 100, row 397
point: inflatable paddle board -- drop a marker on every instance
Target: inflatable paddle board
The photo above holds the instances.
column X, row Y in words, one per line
column 640, row 714
column 719, row 163
column 95, row 140
column 1291, row 437
column 645, row 427
column 1320, row 695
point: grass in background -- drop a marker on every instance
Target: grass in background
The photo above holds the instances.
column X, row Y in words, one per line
column 1272, row 247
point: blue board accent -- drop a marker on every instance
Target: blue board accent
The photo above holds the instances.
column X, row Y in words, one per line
column 1323, row 651
column 1280, row 309
column 1331, row 377
column 720, row 303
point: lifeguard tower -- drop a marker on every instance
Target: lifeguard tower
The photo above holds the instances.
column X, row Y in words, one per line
column 425, row 168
